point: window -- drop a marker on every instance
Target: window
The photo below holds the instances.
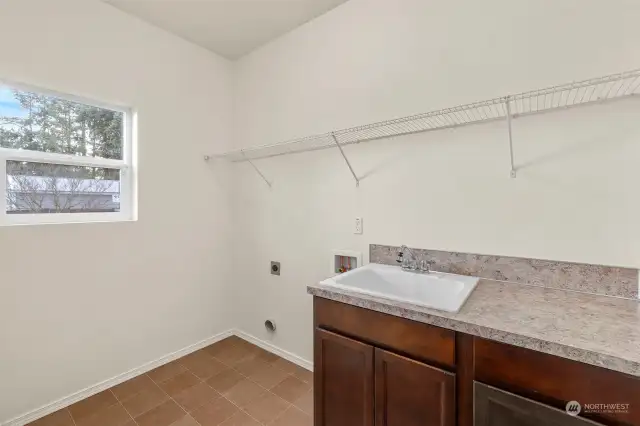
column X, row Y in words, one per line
column 63, row 159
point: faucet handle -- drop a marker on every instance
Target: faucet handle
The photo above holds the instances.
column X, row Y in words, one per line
column 424, row 265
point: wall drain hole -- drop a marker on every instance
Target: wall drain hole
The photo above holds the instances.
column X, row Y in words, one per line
column 270, row 325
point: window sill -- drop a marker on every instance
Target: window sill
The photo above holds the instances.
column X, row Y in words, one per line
column 63, row 218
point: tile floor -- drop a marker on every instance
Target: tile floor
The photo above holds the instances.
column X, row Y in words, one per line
column 230, row 383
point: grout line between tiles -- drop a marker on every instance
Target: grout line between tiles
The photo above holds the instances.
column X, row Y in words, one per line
column 280, row 415
column 248, row 378
column 128, row 413
column 233, row 403
column 221, row 395
column 138, row 393
column 200, row 381
column 72, row 419
column 174, row 401
column 169, row 396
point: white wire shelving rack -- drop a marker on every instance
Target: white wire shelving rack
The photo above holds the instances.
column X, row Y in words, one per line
column 594, row 90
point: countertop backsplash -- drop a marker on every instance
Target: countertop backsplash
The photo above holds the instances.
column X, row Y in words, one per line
column 596, row 279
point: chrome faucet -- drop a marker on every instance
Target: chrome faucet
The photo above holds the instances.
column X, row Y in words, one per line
column 413, row 264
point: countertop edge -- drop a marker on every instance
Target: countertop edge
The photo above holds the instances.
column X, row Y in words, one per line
column 586, row 356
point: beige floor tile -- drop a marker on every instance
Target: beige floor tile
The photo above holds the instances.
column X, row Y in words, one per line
column 247, row 345
column 285, row 365
column 186, row 421
column 144, row 401
column 202, row 364
column 224, row 381
column 266, row 356
column 163, row 415
column 214, row 412
column 165, row 372
column 220, row 346
column 244, row 392
column 240, row 419
column 59, row 418
column 305, row 402
column 303, row 374
column 269, row 377
column 233, row 355
column 196, row 396
column 178, row 383
column 131, row 387
column 115, row 415
column 233, row 340
column 251, row 366
column 91, row 405
column 293, row 417
column 199, row 354
column 267, row 407
column 291, row 389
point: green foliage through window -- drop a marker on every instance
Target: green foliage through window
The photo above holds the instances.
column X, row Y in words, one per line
column 50, row 124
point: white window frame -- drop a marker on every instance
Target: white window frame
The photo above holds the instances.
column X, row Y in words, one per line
column 126, row 167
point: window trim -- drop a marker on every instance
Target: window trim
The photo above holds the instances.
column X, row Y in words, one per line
column 126, row 167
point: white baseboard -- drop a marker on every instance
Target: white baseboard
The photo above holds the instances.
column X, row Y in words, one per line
column 99, row 387
column 275, row 350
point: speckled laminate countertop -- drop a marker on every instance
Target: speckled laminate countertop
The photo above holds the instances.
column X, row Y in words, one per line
column 597, row 330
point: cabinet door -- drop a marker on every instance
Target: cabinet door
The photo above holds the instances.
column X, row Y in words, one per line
column 494, row 407
column 409, row 393
column 343, row 380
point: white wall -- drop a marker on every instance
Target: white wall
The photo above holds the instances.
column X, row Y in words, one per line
column 81, row 303
column 575, row 197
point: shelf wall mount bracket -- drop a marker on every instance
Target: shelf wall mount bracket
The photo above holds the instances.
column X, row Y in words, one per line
column 507, row 103
column 256, row 169
column 335, row 139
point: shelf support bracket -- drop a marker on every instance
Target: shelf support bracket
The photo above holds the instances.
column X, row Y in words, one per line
column 345, row 159
column 507, row 103
column 255, row 168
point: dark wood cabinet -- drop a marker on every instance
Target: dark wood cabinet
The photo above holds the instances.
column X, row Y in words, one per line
column 495, row 407
column 343, row 377
column 435, row 345
column 555, row 380
column 374, row 369
column 410, row 393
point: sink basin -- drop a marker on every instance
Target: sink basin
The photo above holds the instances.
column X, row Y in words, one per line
column 445, row 292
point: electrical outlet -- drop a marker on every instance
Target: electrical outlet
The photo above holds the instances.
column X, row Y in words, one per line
column 275, row 268
column 358, row 227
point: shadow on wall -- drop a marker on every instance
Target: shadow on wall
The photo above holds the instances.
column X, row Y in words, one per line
column 564, row 153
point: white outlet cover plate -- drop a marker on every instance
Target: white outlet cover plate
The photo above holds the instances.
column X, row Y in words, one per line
column 358, row 226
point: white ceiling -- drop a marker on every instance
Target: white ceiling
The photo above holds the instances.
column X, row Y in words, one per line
column 230, row 28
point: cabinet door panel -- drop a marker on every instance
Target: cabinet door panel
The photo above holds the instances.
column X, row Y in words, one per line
column 409, row 393
column 494, row 407
column 343, row 377
column 556, row 380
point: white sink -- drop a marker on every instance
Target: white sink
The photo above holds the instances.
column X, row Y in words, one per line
column 446, row 292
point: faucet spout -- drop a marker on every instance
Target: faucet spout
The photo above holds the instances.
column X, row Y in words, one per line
column 414, row 263
column 401, row 252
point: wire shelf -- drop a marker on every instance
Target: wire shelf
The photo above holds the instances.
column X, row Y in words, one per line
column 584, row 92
